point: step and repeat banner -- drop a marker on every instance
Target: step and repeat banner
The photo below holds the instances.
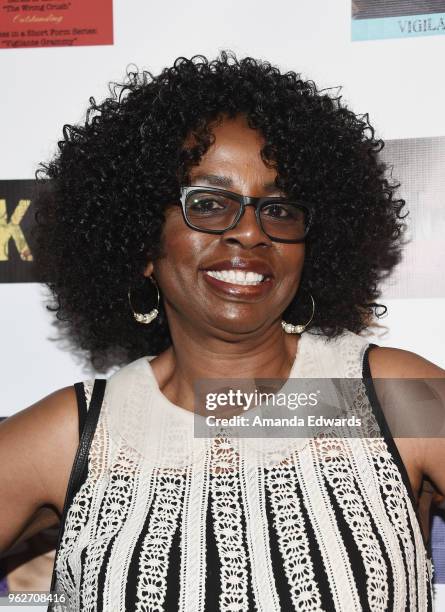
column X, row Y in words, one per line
column 386, row 54
column 397, row 18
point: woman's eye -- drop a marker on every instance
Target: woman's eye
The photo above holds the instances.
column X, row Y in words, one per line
column 277, row 210
column 206, row 206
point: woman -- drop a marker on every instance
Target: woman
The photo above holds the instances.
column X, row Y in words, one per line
column 204, row 216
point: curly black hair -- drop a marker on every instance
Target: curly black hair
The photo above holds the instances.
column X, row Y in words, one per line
column 101, row 202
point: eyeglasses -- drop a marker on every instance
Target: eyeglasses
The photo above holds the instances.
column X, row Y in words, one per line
column 215, row 211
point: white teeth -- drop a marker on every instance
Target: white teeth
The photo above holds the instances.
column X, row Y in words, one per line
column 237, row 277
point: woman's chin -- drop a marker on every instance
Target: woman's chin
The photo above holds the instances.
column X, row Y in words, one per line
column 239, row 326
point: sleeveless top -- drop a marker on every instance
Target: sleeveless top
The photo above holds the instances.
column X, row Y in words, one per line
column 158, row 519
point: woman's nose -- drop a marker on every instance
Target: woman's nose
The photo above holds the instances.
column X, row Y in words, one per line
column 247, row 231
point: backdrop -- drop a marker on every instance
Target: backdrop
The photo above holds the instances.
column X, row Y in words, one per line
column 54, row 56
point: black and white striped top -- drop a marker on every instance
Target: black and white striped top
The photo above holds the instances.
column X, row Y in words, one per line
column 158, row 519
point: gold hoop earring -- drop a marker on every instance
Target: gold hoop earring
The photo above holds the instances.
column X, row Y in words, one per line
column 146, row 318
column 298, row 329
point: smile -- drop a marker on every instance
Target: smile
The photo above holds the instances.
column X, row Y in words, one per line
column 236, row 277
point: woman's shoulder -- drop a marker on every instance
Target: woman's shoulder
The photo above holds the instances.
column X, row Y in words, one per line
column 37, row 449
column 390, row 362
column 385, row 362
column 44, row 428
column 411, row 390
column 339, row 356
column 130, row 374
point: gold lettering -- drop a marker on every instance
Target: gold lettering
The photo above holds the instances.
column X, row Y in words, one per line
column 11, row 230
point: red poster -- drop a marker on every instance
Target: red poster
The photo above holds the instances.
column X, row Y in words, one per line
column 30, row 23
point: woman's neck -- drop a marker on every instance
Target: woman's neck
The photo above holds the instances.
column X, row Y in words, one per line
column 195, row 357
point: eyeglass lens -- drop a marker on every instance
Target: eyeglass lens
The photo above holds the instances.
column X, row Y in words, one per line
column 217, row 212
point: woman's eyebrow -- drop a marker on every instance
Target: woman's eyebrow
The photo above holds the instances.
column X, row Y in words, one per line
column 226, row 182
column 213, row 179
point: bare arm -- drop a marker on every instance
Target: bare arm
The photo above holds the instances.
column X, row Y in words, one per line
column 37, row 450
column 427, row 453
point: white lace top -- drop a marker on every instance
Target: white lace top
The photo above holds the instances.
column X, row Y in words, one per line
column 167, row 521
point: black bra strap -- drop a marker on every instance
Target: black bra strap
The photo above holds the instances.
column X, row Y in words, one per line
column 80, row 466
column 81, row 406
column 384, row 428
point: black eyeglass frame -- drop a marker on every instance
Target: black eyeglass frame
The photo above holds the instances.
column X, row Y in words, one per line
column 244, row 201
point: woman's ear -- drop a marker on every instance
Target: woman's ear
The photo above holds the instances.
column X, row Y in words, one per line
column 148, row 269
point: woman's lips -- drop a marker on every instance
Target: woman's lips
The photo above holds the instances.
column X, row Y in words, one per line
column 231, row 288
